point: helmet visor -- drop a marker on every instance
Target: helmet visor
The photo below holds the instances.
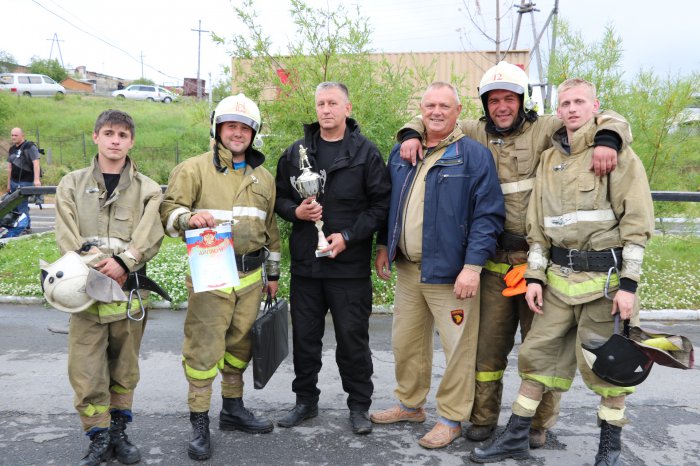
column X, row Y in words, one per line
column 239, row 118
column 506, row 86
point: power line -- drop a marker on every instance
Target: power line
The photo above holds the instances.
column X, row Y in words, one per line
column 102, row 40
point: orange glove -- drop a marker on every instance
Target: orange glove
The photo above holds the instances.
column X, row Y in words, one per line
column 514, row 281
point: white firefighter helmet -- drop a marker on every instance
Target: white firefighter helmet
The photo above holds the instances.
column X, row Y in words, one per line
column 236, row 108
column 509, row 77
column 64, row 283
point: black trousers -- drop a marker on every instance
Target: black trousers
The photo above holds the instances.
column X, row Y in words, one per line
column 350, row 303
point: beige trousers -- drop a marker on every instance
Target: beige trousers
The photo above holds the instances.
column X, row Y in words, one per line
column 103, row 366
column 420, row 309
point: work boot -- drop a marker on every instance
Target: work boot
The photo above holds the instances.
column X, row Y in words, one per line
column 477, row 433
column 199, row 447
column 298, row 414
column 126, row 452
column 234, row 416
column 513, row 442
column 359, row 420
column 538, row 437
column 100, row 449
column 609, row 446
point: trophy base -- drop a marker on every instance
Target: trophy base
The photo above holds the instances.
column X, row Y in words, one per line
column 322, row 254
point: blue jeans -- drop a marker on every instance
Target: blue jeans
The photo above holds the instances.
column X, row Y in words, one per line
column 24, row 205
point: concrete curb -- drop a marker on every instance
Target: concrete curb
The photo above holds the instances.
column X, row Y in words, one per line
column 659, row 314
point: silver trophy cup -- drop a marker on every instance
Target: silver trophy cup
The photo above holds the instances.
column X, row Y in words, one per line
column 309, row 184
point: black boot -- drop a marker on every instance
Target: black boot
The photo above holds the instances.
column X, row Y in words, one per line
column 609, row 446
column 199, row 447
column 125, row 451
column 298, row 414
column 100, row 449
column 513, row 442
column 234, row 416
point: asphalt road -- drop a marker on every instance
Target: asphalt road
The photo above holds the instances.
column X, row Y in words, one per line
column 38, row 425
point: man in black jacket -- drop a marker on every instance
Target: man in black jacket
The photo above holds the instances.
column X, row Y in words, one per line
column 354, row 205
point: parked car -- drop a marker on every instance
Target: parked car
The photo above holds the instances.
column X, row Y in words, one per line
column 37, row 85
column 145, row 92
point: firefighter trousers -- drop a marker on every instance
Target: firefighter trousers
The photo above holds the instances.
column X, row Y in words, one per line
column 217, row 338
column 500, row 317
column 420, row 309
column 103, row 367
column 552, row 352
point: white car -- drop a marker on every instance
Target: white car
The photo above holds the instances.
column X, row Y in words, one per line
column 30, row 85
column 688, row 120
column 145, row 92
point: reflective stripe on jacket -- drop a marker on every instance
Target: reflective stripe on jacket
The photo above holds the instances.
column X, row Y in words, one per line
column 126, row 224
column 574, row 209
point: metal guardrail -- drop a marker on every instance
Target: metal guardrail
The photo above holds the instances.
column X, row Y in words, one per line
column 9, row 202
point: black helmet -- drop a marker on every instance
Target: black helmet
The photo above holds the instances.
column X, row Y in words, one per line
column 619, row 360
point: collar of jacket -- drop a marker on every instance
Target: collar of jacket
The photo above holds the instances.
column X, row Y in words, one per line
column 125, row 177
column 254, row 158
column 583, row 139
column 453, row 137
column 312, row 134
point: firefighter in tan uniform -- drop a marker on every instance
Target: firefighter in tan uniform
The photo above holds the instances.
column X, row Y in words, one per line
column 227, row 184
column 516, row 136
column 587, row 236
column 109, row 209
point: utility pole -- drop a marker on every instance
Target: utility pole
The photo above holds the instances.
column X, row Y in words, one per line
column 58, row 45
column 199, row 32
column 529, row 7
column 142, row 64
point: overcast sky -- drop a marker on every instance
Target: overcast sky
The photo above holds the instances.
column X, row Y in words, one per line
column 122, row 38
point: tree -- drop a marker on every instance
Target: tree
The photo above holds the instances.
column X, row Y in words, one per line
column 143, row 81
column 649, row 103
column 597, row 62
column 329, row 45
column 51, row 68
column 7, row 62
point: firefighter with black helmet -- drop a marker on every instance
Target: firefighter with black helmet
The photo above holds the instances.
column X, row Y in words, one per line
column 227, row 184
column 516, row 136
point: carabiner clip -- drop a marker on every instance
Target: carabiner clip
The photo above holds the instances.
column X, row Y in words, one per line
column 610, row 272
column 131, row 298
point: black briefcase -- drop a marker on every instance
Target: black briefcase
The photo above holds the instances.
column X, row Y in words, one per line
column 270, row 340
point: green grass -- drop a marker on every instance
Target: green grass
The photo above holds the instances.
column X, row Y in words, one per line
column 670, row 279
column 165, row 133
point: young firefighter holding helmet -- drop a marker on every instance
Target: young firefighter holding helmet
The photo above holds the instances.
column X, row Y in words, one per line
column 226, row 184
column 516, row 137
column 587, row 237
column 107, row 213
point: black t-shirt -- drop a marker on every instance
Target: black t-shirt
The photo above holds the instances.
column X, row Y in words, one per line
column 21, row 159
column 111, row 182
column 327, row 153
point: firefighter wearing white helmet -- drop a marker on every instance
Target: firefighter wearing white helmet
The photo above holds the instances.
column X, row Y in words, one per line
column 227, row 184
column 516, row 136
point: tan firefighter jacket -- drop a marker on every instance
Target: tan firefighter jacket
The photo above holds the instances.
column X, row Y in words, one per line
column 245, row 198
column 126, row 224
column 574, row 209
column 517, row 156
